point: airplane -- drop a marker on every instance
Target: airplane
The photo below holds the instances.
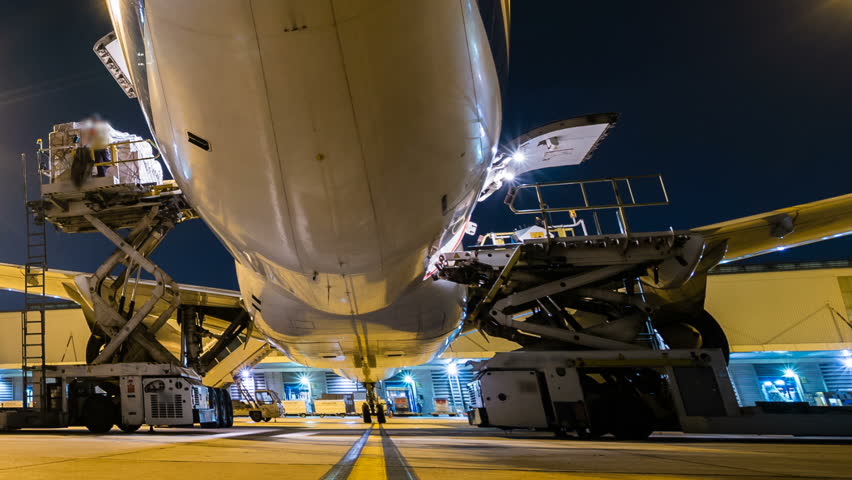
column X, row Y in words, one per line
column 338, row 149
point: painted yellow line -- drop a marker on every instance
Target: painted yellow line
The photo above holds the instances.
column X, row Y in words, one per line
column 371, row 462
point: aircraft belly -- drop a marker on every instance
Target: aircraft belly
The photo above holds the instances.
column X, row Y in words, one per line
column 413, row 330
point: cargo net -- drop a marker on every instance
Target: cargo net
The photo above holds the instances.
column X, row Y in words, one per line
column 79, row 151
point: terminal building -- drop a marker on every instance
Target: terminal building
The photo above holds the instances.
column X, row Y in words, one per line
column 788, row 326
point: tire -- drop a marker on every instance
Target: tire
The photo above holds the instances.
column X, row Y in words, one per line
column 256, row 416
column 99, row 414
column 365, row 413
column 229, row 408
column 633, row 420
column 699, row 331
column 128, row 428
column 380, row 414
column 303, row 415
column 94, row 346
column 221, row 413
column 342, row 415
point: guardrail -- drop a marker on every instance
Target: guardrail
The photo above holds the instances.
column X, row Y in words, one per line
column 620, row 205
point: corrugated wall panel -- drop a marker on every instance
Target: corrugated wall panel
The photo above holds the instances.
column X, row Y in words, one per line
column 745, row 383
column 339, row 385
column 7, row 390
column 837, row 377
column 779, row 308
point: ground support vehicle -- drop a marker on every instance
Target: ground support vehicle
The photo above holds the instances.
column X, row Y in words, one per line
column 127, row 395
column 631, row 394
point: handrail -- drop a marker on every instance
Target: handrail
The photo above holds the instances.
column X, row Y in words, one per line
column 48, row 170
column 545, row 209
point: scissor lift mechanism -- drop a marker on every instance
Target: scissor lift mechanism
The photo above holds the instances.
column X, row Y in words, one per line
column 584, row 291
column 119, row 336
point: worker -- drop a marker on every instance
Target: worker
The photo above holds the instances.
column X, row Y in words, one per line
column 99, row 140
column 93, row 149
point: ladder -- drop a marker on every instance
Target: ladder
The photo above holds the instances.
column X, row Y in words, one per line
column 33, row 350
column 454, row 401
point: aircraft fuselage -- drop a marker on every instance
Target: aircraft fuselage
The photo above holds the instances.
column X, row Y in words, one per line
column 341, row 145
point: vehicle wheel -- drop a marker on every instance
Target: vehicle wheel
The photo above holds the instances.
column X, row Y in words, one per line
column 303, row 415
column 342, row 415
column 99, row 414
column 380, row 414
column 256, row 416
column 128, row 428
column 634, row 421
column 266, row 419
column 224, row 405
column 699, row 331
column 365, row 412
column 229, row 408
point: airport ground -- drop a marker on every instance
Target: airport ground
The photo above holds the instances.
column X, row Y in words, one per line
column 407, row 448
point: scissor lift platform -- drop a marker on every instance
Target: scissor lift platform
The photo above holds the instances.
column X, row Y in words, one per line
column 117, row 205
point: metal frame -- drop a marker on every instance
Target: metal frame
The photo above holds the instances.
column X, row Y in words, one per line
column 545, row 210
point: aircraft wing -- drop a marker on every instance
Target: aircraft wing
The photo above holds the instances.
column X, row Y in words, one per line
column 62, row 284
column 780, row 229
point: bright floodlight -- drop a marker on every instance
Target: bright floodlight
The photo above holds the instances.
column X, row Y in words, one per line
column 509, row 176
column 847, row 362
column 518, row 157
column 304, row 380
column 246, row 374
column 452, row 369
column 789, row 372
column 408, row 379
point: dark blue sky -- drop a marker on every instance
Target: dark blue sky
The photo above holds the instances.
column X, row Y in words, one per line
column 742, row 105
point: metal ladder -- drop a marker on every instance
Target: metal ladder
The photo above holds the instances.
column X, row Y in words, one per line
column 455, row 392
column 33, row 350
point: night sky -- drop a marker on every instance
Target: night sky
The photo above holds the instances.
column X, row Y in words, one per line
column 743, row 106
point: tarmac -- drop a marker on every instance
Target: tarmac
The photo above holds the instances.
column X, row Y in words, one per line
column 441, row 448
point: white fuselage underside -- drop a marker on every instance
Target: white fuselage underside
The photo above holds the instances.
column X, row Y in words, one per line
column 348, row 140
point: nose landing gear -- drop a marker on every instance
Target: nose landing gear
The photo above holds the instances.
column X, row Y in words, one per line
column 372, row 407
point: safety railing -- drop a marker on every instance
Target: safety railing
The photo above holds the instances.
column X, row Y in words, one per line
column 65, row 154
column 623, row 192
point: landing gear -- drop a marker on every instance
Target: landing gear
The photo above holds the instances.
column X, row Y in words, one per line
column 372, row 406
